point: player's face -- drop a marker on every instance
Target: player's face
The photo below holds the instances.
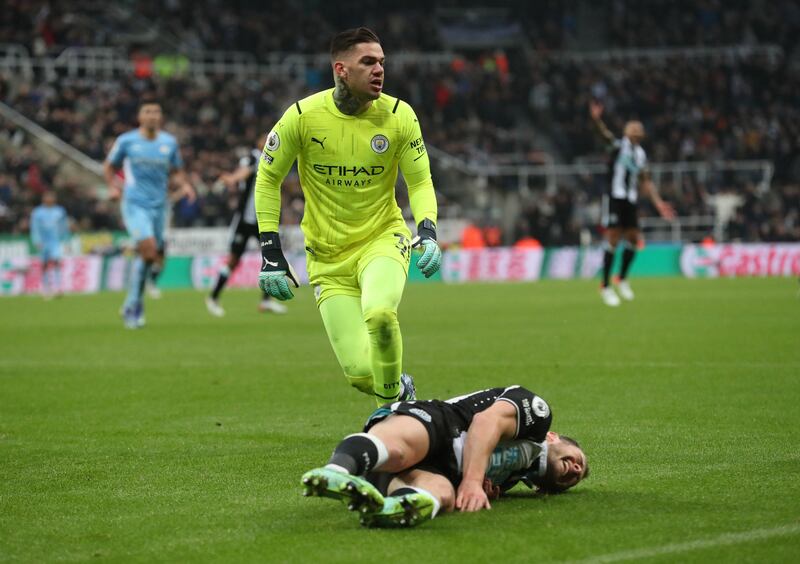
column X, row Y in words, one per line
column 150, row 116
column 634, row 130
column 566, row 463
column 362, row 70
column 49, row 199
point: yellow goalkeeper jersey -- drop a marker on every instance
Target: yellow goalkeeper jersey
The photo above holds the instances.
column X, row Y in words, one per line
column 348, row 168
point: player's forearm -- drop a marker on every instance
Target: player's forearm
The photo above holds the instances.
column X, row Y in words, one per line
column 35, row 231
column 422, row 198
column 483, row 436
column 109, row 172
column 240, row 174
column 651, row 191
column 181, row 179
column 267, row 201
column 602, row 129
column 185, row 188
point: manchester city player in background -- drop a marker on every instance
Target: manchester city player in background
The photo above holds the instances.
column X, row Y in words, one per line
column 349, row 142
column 148, row 157
column 49, row 228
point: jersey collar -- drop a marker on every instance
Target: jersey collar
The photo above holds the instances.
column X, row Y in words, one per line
column 538, row 468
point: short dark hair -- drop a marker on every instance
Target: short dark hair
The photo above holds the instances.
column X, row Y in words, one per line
column 148, row 99
column 345, row 40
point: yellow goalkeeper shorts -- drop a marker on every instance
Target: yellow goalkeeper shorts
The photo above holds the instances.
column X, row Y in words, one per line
column 343, row 277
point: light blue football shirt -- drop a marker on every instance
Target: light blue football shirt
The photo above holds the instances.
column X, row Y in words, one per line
column 48, row 225
column 147, row 164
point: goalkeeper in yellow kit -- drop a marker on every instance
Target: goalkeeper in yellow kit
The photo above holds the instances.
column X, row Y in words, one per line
column 349, row 142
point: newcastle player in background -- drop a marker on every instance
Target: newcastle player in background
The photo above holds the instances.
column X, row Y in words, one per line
column 628, row 169
column 349, row 142
column 243, row 226
column 418, row 458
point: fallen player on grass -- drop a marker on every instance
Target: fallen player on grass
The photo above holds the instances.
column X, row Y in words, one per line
column 416, row 459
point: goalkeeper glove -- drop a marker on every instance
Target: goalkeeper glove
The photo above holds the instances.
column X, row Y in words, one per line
column 276, row 272
column 431, row 258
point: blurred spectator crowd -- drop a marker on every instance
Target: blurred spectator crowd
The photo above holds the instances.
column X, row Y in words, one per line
column 509, row 105
column 417, row 25
column 718, row 109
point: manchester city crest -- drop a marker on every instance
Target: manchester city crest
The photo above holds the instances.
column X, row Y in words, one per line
column 379, row 144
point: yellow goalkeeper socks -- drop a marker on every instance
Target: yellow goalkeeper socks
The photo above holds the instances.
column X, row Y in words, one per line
column 382, row 283
column 386, row 353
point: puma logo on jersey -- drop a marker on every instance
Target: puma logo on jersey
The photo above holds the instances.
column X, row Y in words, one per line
column 321, row 143
column 268, row 263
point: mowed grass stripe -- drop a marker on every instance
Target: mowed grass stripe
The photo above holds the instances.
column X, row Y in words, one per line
column 186, row 441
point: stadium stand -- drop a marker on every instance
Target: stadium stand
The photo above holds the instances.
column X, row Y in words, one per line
column 669, row 64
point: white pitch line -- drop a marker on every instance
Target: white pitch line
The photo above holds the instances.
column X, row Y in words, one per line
column 721, row 540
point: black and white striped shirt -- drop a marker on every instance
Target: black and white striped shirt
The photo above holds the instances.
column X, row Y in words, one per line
column 627, row 163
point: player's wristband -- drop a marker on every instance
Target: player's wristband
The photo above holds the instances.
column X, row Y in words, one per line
column 426, row 229
column 270, row 240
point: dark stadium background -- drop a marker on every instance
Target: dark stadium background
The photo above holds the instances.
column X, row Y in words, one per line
column 186, row 441
column 506, row 84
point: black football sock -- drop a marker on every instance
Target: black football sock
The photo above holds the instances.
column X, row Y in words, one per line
column 608, row 261
column 155, row 272
column 628, row 254
column 222, row 279
column 359, row 453
column 405, row 490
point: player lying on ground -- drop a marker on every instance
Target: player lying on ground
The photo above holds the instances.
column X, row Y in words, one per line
column 432, row 456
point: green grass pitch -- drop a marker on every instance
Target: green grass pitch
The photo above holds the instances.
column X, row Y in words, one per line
column 185, row 442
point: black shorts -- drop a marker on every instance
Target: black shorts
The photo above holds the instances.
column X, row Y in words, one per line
column 619, row 213
column 241, row 231
column 444, row 425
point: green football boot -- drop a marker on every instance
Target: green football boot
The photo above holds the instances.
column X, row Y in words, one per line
column 406, row 510
column 357, row 493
